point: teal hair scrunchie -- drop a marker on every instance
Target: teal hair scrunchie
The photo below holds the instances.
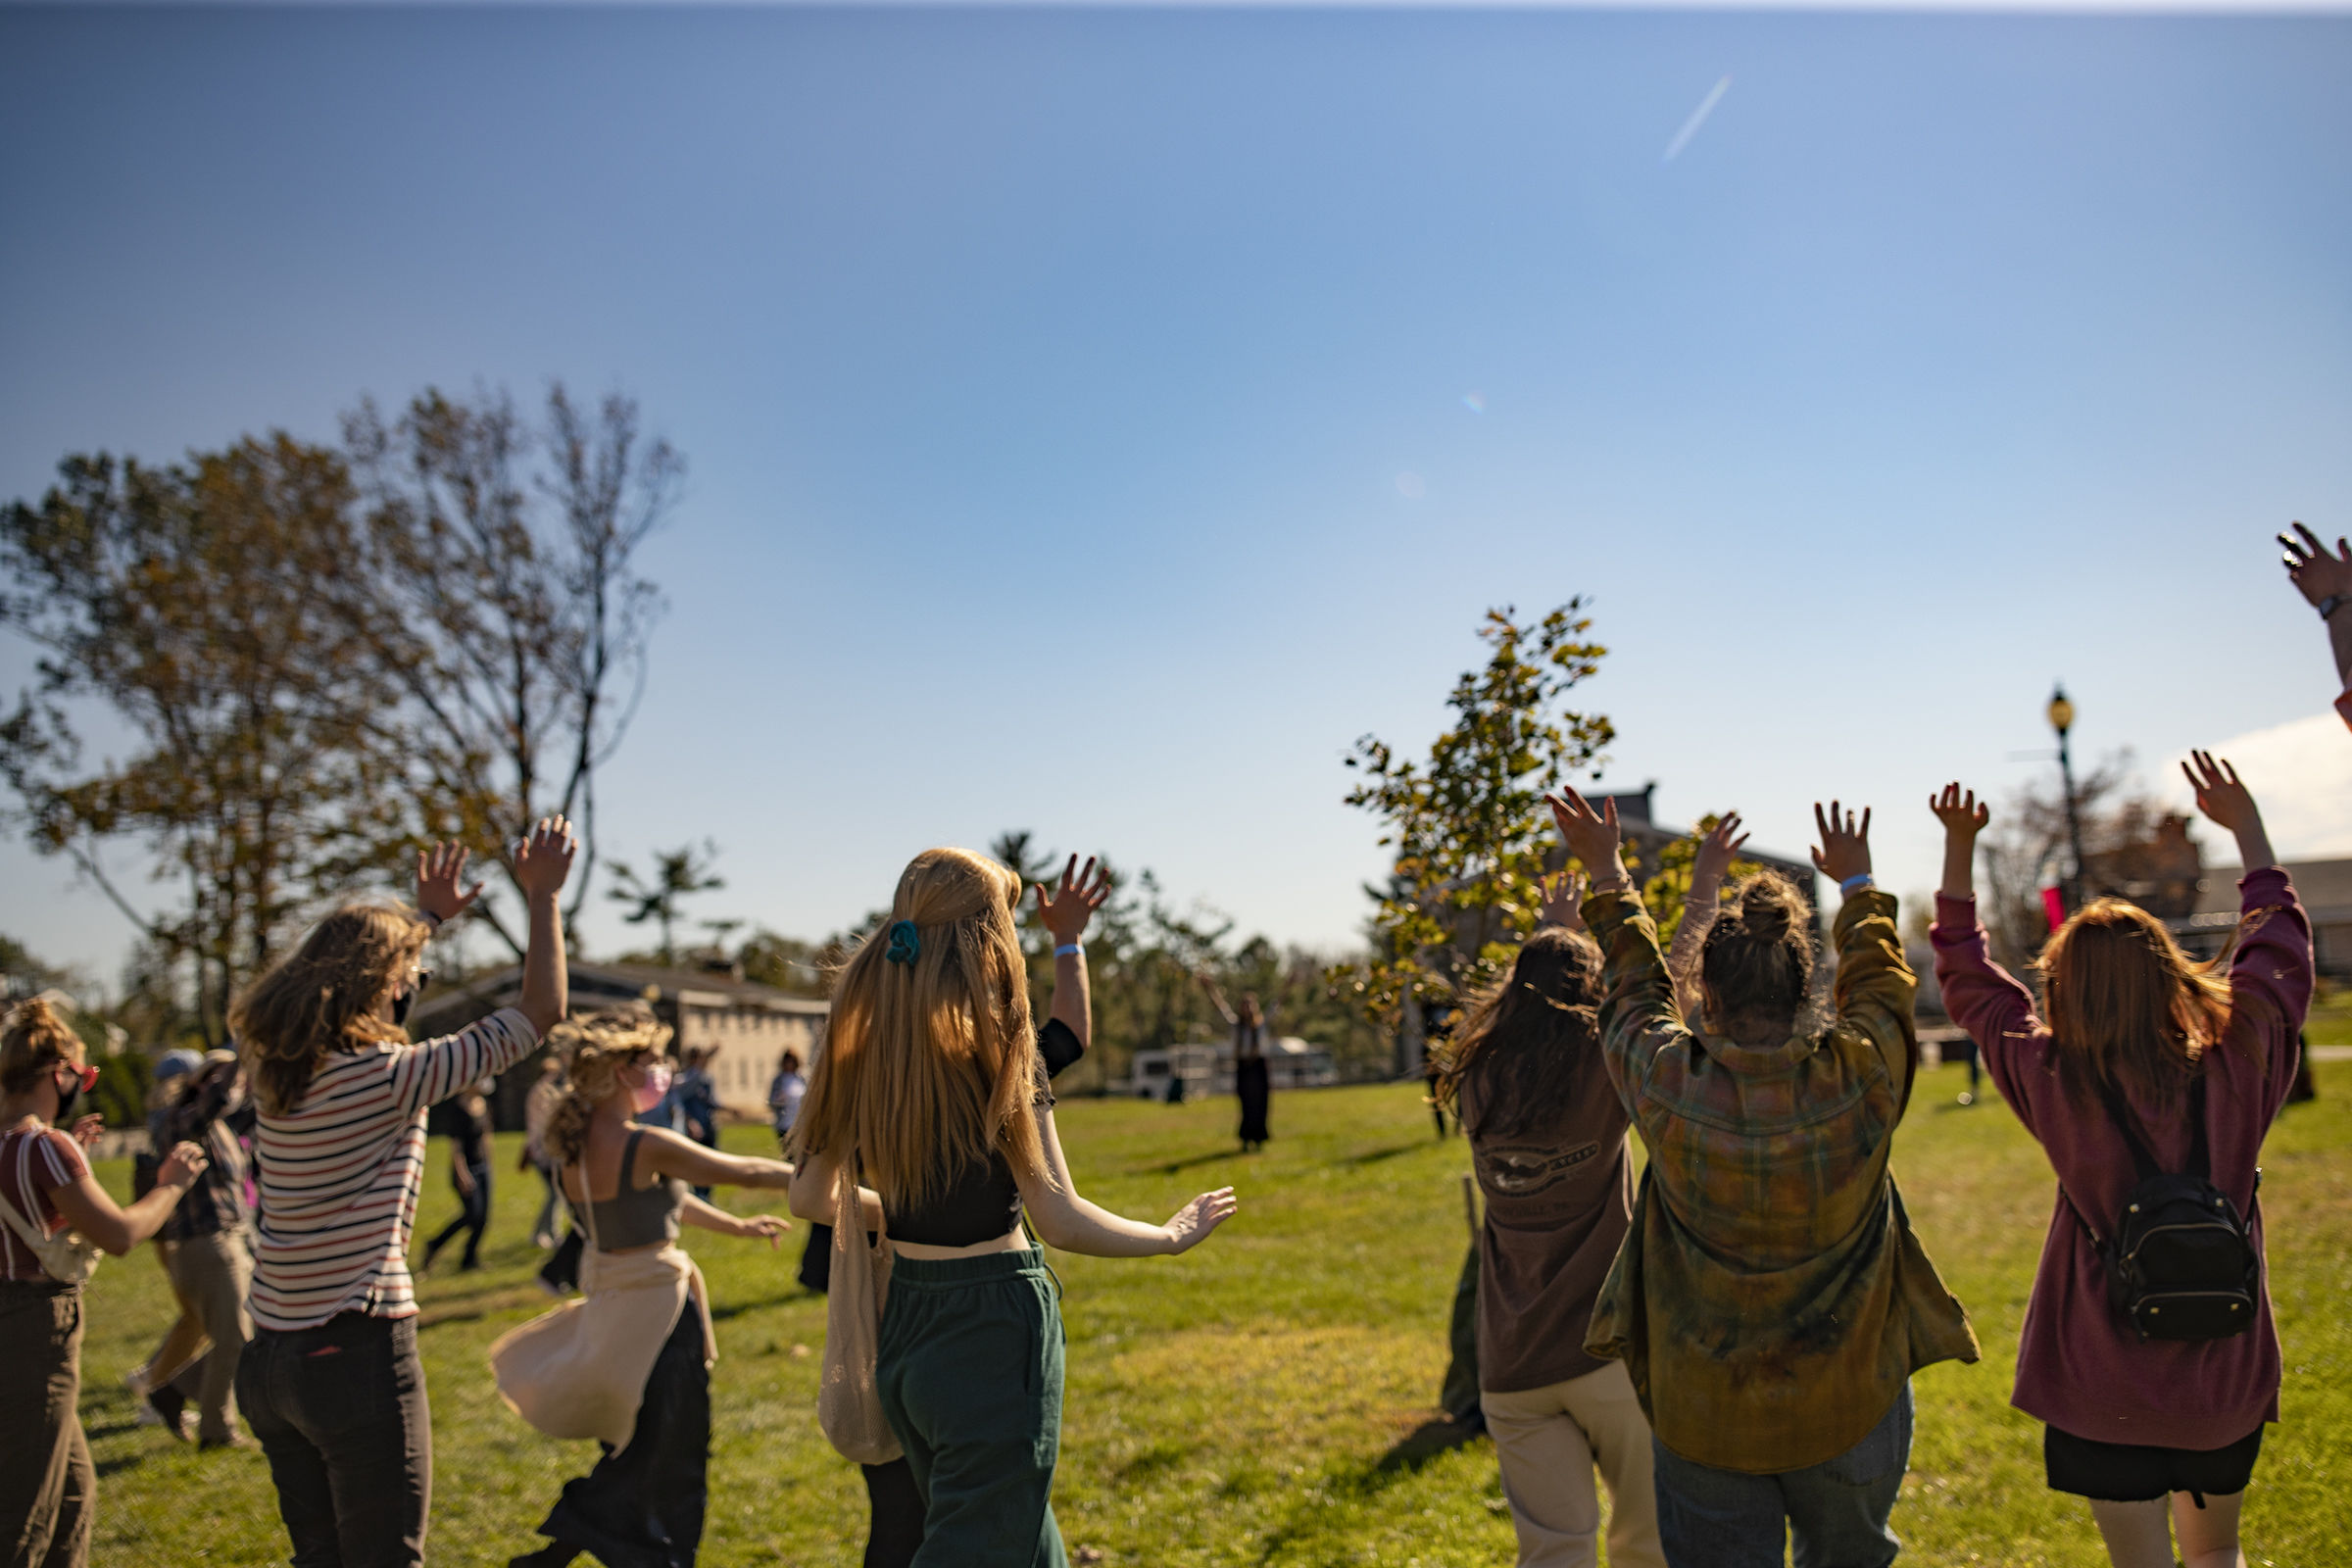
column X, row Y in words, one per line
column 904, row 944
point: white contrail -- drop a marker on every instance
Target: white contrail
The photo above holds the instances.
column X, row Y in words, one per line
column 1699, row 118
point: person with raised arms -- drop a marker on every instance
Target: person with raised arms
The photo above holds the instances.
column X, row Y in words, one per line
column 932, row 1090
column 330, row 1382
column 2149, row 1081
column 1770, row 1302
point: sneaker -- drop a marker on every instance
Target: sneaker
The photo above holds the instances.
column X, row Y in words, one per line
column 236, row 1440
column 171, row 1409
column 135, row 1380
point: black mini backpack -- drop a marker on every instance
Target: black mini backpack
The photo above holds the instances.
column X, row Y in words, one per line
column 2181, row 1263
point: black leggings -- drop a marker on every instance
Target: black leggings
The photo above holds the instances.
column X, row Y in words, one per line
column 642, row 1507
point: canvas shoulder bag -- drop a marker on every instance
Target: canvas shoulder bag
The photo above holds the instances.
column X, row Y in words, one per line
column 68, row 1257
column 849, row 1398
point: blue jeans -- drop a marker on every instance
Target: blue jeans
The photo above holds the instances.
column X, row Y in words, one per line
column 1837, row 1509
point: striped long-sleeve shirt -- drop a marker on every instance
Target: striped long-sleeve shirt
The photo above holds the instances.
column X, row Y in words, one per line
column 341, row 1173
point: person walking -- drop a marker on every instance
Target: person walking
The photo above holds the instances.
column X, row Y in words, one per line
column 179, row 1356
column 1770, row 1302
column 698, row 1101
column 210, row 1235
column 784, row 1094
column 630, row 1365
column 2141, row 1062
column 332, row 1384
column 933, row 1091
column 469, row 1175
column 1252, row 1083
column 537, row 1107
column 55, row 1218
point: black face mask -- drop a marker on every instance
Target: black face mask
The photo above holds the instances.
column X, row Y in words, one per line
column 400, row 1007
column 67, row 1099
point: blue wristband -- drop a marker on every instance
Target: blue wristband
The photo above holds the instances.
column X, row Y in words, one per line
column 1069, row 950
column 1856, row 884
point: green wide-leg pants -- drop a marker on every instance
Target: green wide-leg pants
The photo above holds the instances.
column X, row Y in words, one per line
column 970, row 1377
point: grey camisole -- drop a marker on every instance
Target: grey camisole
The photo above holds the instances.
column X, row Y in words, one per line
column 636, row 1216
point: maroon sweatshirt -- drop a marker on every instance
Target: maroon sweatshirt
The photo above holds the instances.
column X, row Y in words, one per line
column 2081, row 1368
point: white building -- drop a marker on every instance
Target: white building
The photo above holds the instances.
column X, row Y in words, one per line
column 1206, row 1068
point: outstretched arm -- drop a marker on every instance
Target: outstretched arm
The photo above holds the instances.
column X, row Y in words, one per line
column 673, row 1154
column 811, row 1196
column 1717, row 848
column 1067, row 1221
column 1963, row 818
column 2324, row 576
column 709, row 1217
column 90, row 1209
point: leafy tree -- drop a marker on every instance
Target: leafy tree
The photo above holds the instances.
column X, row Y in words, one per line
column 678, row 874
column 503, row 601
column 191, row 599
column 1468, row 825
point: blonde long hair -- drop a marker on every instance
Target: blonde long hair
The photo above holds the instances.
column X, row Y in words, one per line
column 598, row 1049
column 931, row 1065
column 324, row 997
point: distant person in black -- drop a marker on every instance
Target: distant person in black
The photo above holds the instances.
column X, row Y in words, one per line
column 1250, row 1077
column 469, row 1174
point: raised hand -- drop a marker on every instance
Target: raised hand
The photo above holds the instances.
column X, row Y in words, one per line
column 1563, row 901
column 1716, row 851
column 1065, row 913
column 1962, row 815
column 1592, row 836
column 2220, row 794
column 542, row 860
column 1196, row 1219
column 1845, row 852
column 440, row 871
column 87, row 1130
column 2317, row 572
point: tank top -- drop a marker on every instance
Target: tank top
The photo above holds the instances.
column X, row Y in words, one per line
column 635, row 1217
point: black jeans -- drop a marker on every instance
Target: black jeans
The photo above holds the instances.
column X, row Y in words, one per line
column 643, row 1507
column 473, row 1215
column 340, row 1411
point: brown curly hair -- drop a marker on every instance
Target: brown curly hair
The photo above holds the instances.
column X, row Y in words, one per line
column 324, row 997
column 598, row 1048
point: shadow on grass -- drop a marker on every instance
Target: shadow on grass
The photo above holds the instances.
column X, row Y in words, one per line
column 721, row 1311
column 1361, row 1483
column 1219, row 1156
column 479, row 1304
column 1377, row 1155
column 1436, row 1436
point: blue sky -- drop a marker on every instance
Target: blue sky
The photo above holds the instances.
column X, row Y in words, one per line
column 1079, row 404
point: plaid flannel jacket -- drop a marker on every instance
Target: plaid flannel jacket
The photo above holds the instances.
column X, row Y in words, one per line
column 1770, row 1299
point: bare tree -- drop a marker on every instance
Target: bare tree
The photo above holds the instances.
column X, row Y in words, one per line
column 503, row 601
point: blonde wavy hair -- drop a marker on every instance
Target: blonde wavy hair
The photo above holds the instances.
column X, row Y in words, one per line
column 598, row 1048
column 324, row 997
column 931, row 1065
column 34, row 1039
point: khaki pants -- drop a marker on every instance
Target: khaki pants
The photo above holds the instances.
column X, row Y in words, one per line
column 1547, row 1440
column 46, row 1484
column 212, row 1274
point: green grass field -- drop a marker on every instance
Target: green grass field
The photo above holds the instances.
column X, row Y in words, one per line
column 1255, row 1401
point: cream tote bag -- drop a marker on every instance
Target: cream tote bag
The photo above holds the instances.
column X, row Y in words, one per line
column 848, row 1403
column 68, row 1257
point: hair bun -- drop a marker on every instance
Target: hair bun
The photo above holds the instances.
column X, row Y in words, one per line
column 1769, row 908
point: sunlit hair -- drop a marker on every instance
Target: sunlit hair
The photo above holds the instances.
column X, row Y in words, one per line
column 599, row 1047
column 1527, row 1035
column 1757, row 959
column 932, row 1065
column 324, row 997
column 34, row 1039
column 2126, row 1006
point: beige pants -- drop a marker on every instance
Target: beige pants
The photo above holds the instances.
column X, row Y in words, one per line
column 1549, row 1439
column 212, row 1274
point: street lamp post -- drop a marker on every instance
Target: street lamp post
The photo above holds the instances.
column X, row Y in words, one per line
column 2062, row 719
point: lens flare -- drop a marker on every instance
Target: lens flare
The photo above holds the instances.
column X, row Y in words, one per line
column 1475, row 402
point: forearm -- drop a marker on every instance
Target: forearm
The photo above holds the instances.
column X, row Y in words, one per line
column 1959, row 865
column 1073, row 1003
column 1073, row 1224
column 2339, row 643
column 709, row 1217
column 2254, row 840
column 546, row 983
